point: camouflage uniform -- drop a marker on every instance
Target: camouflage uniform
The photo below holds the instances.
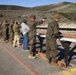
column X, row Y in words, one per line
column 11, row 33
column 32, row 36
column 5, row 29
column 51, row 36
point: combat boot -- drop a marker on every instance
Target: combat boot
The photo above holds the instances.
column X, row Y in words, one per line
column 49, row 60
column 53, row 62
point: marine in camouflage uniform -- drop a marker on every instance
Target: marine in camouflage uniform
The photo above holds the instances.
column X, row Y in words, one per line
column 5, row 32
column 11, row 32
column 32, row 35
column 51, row 37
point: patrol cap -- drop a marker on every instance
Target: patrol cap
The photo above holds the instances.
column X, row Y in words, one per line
column 33, row 16
column 56, row 16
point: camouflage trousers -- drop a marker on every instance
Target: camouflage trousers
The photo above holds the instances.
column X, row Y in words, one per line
column 11, row 37
column 51, row 49
column 5, row 34
column 32, row 46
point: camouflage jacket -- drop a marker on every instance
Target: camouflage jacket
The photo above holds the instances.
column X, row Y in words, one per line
column 32, row 26
column 52, row 30
column 5, row 26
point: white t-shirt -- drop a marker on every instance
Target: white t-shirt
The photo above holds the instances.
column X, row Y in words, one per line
column 24, row 28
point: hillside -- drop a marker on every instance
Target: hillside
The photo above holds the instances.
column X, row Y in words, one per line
column 12, row 7
column 67, row 10
column 51, row 6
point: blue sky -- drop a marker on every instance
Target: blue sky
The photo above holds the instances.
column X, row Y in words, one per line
column 32, row 3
